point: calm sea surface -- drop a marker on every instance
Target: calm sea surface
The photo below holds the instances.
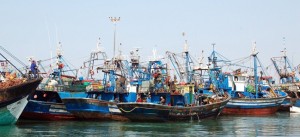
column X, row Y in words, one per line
column 280, row 124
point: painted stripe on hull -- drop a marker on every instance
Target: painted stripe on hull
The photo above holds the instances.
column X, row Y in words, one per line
column 11, row 113
column 251, row 106
column 48, row 111
column 48, row 116
column 251, row 111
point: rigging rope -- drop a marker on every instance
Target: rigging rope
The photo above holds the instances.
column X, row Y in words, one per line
column 15, row 58
column 272, row 89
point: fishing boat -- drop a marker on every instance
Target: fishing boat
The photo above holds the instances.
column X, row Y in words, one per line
column 99, row 104
column 289, row 83
column 102, row 96
column 251, row 94
column 45, row 103
column 170, row 100
column 13, row 93
column 13, row 100
column 175, row 108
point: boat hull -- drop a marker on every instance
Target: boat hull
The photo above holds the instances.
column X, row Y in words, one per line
column 14, row 99
column 261, row 106
column 286, row 105
column 93, row 109
column 10, row 113
column 136, row 111
column 39, row 110
column 295, row 108
column 46, row 105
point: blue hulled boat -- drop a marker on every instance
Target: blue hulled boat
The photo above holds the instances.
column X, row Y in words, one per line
column 45, row 102
column 252, row 95
column 100, row 102
column 193, row 98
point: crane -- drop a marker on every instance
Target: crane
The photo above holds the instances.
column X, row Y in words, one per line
column 287, row 71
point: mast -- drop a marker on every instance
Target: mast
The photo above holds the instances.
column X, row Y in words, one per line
column 188, row 80
column 254, row 54
column 59, row 62
column 214, row 58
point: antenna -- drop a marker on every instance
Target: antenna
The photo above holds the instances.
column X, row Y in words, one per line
column 201, row 58
column 120, row 51
column 186, row 47
column 114, row 20
column 213, row 44
column 254, row 51
column 98, row 49
column 59, row 49
column 284, row 48
column 284, row 52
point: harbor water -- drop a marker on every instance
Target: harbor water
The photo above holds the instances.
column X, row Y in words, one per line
column 279, row 124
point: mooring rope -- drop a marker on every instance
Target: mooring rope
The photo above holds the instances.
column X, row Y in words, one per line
column 126, row 110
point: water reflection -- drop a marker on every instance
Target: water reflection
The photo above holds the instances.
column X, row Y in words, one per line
column 8, row 130
column 281, row 124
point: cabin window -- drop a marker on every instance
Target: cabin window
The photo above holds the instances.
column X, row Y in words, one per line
column 236, row 78
column 242, row 78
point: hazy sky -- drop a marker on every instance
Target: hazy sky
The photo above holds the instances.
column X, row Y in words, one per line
column 34, row 27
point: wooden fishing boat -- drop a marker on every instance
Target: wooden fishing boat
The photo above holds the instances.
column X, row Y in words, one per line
column 176, row 111
column 13, row 90
column 168, row 100
column 252, row 95
column 13, row 100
